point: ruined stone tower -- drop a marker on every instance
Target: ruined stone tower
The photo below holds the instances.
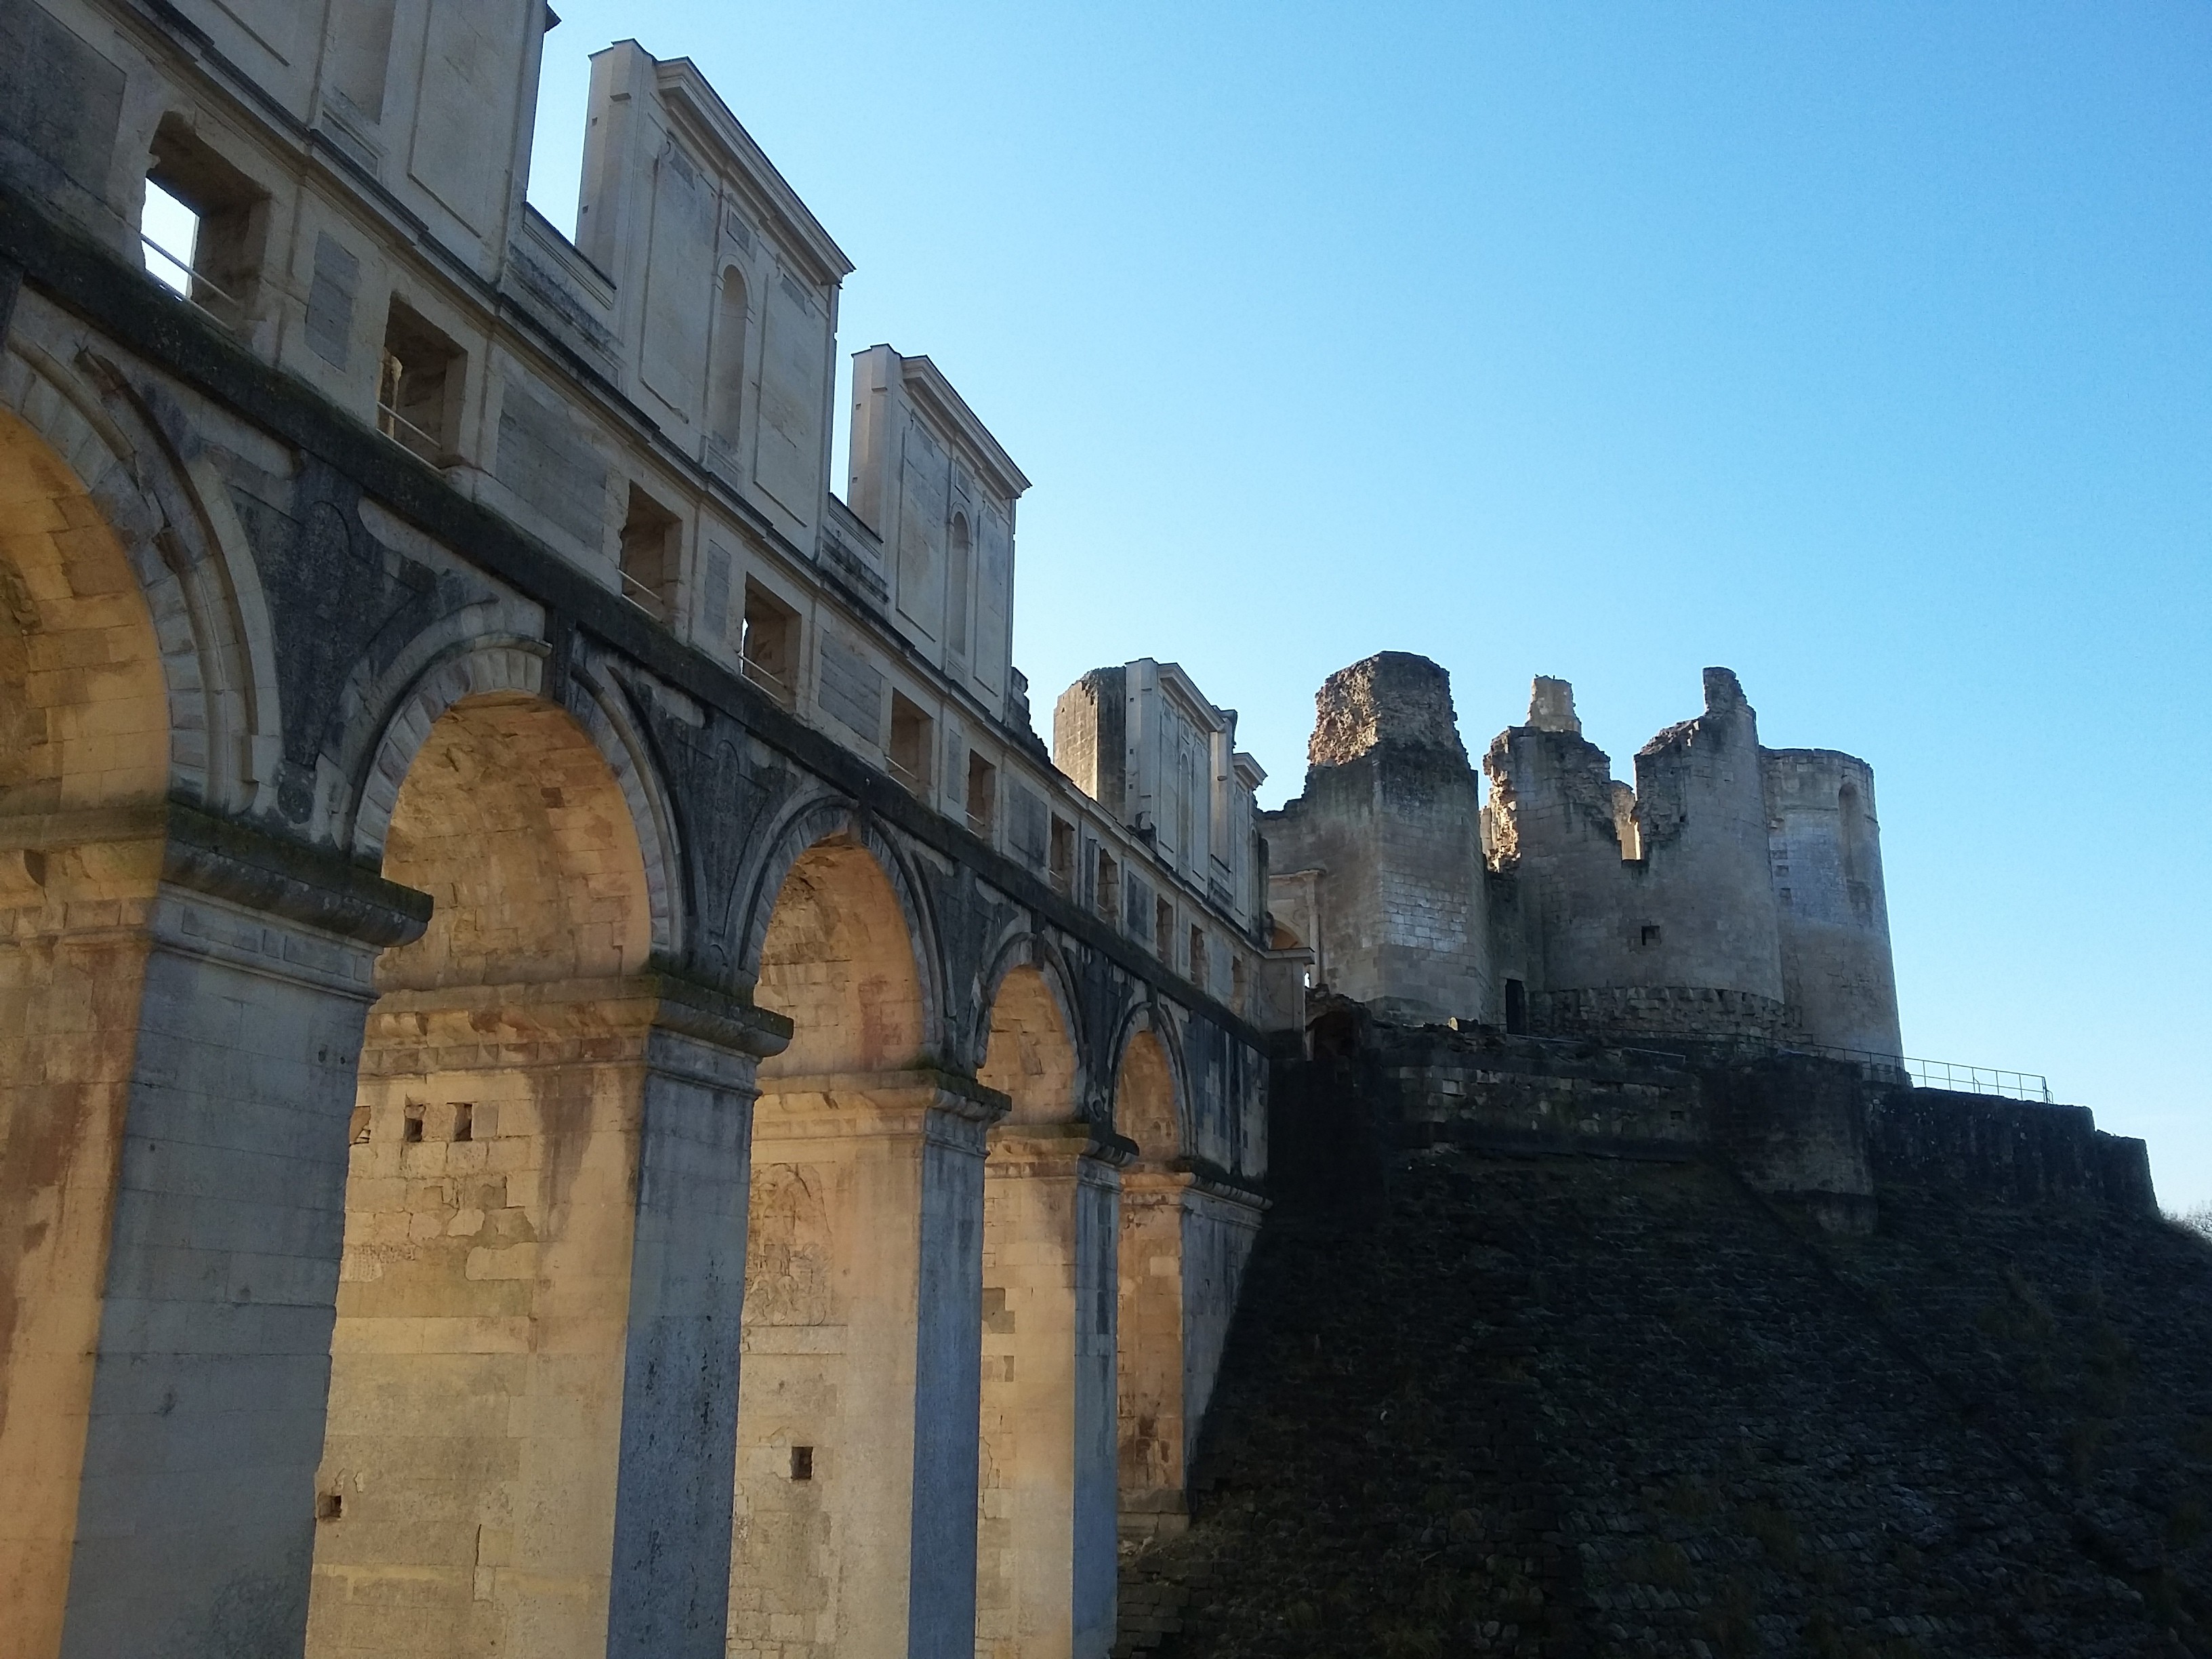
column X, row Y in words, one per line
column 1732, row 894
column 1378, row 864
column 1649, row 910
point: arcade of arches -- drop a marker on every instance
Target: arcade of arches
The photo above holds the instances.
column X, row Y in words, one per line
column 523, row 1177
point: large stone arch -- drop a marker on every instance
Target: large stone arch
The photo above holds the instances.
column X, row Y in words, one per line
column 183, row 544
column 857, row 1429
column 1157, row 1425
column 472, row 1458
column 1023, row 948
column 1149, row 1021
column 1045, row 1520
column 88, row 701
column 822, row 820
column 508, row 667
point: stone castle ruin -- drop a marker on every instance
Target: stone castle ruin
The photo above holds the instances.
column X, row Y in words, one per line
column 1698, row 962
column 576, row 1079
column 1733, row 891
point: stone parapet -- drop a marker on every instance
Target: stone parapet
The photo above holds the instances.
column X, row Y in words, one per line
column 1652, row 1010
column 1826, row 1134
column 2016, row 1151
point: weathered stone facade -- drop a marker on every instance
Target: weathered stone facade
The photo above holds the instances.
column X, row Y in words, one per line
column 567, row 1082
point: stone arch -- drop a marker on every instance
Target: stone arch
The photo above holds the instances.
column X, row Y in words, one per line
column 87, row 721
column 840, row 848
column 1152, row 1103
column 1043, row 983
column 1151, row 1384
column 184, row 546
column 512, row 820
column 473, row 1451
column 85, row 700
column 854, row 1424
column 1045, row 1517
column 506, row 667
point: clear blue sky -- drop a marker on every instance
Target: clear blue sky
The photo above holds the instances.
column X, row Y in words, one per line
column 1864, row 348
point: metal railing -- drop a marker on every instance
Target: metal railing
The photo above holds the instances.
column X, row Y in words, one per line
column 408, row 435
column 913, row 780
column 195, row 283
column 644, row 596
column 1944, row 1074
column 768, row 679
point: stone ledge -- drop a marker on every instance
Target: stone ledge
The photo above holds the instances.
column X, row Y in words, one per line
column 260, row 872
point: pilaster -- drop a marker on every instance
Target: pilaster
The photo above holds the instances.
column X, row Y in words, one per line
column 1046, row 1523
column 857, row 1430
column 191, row 995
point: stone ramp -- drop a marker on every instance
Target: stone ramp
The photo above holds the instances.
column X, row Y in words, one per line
column 1556, row 1405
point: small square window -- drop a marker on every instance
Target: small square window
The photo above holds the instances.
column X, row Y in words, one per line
column 1060, row 861
column 1650, row 935
column 982, row 795
column 770, row 648
column 204, row 225
column 909, row 754
column 418, row 394
column 650, row 552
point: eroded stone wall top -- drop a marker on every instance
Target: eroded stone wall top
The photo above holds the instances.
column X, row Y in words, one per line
column 1393, row 696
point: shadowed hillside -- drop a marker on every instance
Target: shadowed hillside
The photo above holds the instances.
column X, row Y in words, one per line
column 1559, row 1405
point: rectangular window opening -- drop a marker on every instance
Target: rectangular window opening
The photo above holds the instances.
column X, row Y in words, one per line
column 1198, row 958
column 649, row 556
column 203, row 225
column 411, row 1128
column 1648, row 935
column 418, row 389
column 802, row 1462
column 908, row 758
column 1164, row 931
column 982, row 795
column 1060, row 861
column 464, row 1121
column 1109, row 887
column 770, row 648
column 329, row 1506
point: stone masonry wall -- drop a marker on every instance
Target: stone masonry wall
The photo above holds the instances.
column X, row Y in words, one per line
column 1388, row 831
column 1566, row 1407
column 1392, row 697
column 1825, row 849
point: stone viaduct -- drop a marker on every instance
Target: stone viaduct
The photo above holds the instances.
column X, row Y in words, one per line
column 572, row 1081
